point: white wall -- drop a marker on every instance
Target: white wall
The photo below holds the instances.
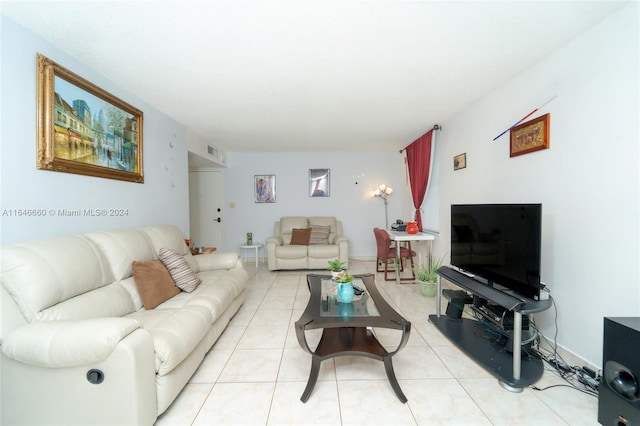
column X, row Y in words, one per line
column 163, row 198
column 588, row 181
column 350, row 202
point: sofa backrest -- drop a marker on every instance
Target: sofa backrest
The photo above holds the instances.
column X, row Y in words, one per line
column 61, row 278
column 170, row 237
column 80, row 277
column 285, row 226
column 121, row 248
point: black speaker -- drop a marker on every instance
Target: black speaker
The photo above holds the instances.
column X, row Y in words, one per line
column 619, row 399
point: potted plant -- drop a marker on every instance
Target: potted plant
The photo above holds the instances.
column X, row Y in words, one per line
column 336, row 267
column 427, row 277
column 345, row 278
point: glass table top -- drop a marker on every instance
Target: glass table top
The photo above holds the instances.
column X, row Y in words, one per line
column 361, row 306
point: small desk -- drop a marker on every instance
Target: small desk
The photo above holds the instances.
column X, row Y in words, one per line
column 255, row 246
column 399, row 236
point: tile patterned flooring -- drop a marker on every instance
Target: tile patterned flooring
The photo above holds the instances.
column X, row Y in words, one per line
column 256, row 372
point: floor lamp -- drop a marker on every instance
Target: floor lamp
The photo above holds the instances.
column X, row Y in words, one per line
column 383, row 191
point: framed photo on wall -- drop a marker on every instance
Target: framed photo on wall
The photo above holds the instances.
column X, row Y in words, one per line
column 319, row 183
column 460, row 161
column 83, row 129
column 264, row 188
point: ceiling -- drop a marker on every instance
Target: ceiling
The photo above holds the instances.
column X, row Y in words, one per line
column 308, row 75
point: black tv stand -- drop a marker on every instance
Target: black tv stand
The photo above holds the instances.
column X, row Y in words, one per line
column 469, row 336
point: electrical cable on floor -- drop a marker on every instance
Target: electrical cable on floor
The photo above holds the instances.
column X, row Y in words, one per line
column 587, row 381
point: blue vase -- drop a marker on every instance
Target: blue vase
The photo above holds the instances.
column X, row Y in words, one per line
column 345, row 311
column 345, row 292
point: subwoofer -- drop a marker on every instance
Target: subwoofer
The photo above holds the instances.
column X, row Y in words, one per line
column 619, row 391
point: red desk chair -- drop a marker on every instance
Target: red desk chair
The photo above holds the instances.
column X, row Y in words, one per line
column 386, row 254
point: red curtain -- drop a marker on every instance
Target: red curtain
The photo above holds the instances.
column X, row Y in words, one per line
column 419, row 163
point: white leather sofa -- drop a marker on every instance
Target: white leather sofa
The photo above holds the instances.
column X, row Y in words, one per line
column 281, row 254
column 72, row 317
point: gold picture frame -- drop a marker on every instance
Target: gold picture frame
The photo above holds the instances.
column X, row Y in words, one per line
column 83, row 129
column 460, row 161
column 530, row 136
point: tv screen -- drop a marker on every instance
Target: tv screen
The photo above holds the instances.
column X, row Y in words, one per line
column 500, row 243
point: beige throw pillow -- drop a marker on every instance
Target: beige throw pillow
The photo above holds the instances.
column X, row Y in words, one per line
column 319, row 234
column 153, row 282
column 180, row 271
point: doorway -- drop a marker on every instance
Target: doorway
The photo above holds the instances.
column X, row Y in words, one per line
column 206, row 214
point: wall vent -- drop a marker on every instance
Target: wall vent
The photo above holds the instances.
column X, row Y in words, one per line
column 211, row 150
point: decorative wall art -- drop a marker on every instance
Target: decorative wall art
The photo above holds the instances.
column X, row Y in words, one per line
column 83, row 129
column 264, row 188
column 319, row 183
column 460, row 161
column 530, row 136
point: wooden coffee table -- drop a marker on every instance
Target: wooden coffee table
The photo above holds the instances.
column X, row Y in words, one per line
column 347, row 327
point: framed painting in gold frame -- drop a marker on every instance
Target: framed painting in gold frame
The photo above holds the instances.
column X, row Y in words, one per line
column 530, row 136
column 83, row 129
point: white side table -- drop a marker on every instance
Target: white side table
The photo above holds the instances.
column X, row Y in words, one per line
column 255, row 246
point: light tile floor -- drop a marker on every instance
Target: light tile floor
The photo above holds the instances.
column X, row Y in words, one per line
column 256, row 372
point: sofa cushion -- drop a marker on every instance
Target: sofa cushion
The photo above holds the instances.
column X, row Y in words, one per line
column 92, row 305
column 300, row 237
column 288, row 223
column 292, row 252
column 42, row 274
column 122, row 247
column 180, row 271
column 175, row 332
column 170, row 237
column 319, row 234
column 153, row 282
column 324, row 251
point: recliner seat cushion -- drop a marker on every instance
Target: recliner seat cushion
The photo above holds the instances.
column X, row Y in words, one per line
column 291, row 252
column 315, row 251
column 175, row 332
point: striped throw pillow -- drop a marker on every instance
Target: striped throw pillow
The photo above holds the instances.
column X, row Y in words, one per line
column 319, row 234
column 179, row 269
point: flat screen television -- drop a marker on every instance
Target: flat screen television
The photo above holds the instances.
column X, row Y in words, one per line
column 500, row 244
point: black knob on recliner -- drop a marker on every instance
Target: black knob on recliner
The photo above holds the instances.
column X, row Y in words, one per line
column 95, row 376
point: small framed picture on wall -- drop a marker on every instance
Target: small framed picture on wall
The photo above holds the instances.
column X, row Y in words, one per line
column 264, row 188
column 319, row 183
column 460, row 161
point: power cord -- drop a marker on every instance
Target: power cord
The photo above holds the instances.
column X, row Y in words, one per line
column 582, row 379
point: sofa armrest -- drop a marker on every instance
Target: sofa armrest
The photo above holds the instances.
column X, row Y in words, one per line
column 274, row 241
column 58, row 344
column 340, row 239
column 343, row 243
column 270, row 247
column 212, row 261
